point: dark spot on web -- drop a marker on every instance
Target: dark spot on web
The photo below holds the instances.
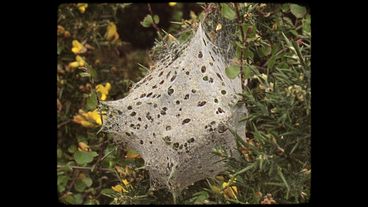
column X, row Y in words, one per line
column 201, row 103
column 203, row 69
column 185, row 121
column 200, row 55
column 170, row 91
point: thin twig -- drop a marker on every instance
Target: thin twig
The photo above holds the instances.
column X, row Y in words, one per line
column 100, row 157
column 85, row 168
column 240, row 22
column 153, row 22
column 63, row 123
column 71, row 184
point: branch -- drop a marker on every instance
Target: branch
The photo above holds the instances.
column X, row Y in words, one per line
column 63, row 123
column 85, row 168
column 240, row 22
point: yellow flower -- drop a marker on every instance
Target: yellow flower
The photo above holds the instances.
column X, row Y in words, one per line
column 119, row 189
column 88, row 119
column 172, row 3
column 82, row 7
column 77, row 47
column 83, row 147
column 78, row 63
column 111, row 32
column 103, row 90
column 125, row 182
column 230, row 192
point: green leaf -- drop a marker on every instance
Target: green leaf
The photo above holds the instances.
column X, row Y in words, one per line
column 285, row 7
column 72, row 148
column 248, row 54
column 91, row 102
column 227, row 12
column 239, row 44
column 156, row 19
column 84, row 74
column 78, row 198
column 87, row 181
column 61, row 182
column 247, row 71
column 79, row 185
column 147, row 21
column 69, row 199
column 266, row 50
column 232, row 71
column 108, row 192
column 199, row 197
column 298, row 11
column 59, row 153
column 84, row 157
column 306, row 25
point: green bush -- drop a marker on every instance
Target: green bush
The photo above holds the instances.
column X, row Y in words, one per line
column 272, row 52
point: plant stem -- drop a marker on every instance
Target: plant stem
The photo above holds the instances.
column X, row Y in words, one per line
column 85, row 168
column 153, row 22
column 240, row 22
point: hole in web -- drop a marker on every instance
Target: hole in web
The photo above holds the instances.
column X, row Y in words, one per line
column 162, row 82
column 186, row 97
column 143, row 95
column 193, row 91
column 220, row 110
column 133, row 113
column 139, row 103
column 200, row 55
column 173, row 78
column 130, row 107
column 203, row 69
column 168, row 74
column 175, row 145
column 187, row 72
column 223, row 92
column 162, row 72
column 167, row 140
column 170, row 91
column 205, row 78
column 201, row 103
column 218, row 75
column 177, row 102
column 185, row 121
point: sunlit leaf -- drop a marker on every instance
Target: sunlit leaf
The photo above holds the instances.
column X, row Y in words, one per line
column 232, row 71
